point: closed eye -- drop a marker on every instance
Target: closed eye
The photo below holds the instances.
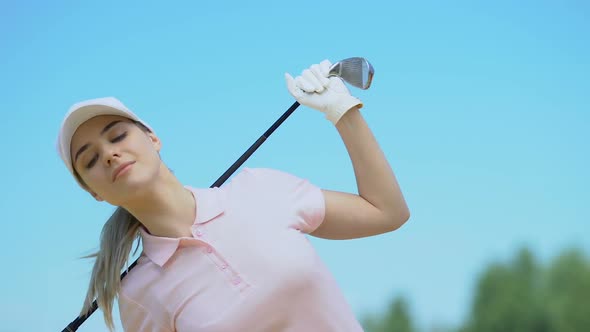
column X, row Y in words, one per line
column 119, row 138
column 92, row 161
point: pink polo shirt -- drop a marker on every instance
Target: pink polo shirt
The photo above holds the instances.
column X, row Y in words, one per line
column 248, row 266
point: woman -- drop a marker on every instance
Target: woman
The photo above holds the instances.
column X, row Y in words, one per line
column 234, row 258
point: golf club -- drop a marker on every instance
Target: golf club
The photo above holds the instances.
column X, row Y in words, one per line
column 356, row 71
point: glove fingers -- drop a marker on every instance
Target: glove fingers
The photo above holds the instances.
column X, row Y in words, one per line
column 310, row 78
column 325, row 67
column 317, row 71
column 302, row 84
column 292, row 86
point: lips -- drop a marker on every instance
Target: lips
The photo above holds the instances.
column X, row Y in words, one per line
column 123, row 167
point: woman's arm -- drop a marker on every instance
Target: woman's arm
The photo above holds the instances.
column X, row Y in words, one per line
column 379, row 206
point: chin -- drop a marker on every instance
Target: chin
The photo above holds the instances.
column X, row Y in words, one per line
column 128, row 189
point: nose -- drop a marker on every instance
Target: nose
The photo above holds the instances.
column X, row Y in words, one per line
column 110, row 154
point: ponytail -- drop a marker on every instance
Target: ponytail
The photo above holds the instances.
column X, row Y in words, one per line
column 116, row 242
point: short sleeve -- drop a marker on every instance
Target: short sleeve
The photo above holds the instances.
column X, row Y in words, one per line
column 304, row 199
column 134, row 317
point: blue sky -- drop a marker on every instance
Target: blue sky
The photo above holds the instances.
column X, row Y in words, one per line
column 482, row 109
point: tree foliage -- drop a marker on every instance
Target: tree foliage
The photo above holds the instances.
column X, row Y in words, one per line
column 397, row 318
column 519, row 295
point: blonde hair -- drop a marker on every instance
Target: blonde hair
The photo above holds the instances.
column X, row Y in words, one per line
column 116, row 241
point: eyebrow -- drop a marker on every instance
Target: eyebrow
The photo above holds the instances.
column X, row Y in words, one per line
column 87, row 145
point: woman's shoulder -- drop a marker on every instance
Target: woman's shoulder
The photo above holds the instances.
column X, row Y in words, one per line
column 136, row 282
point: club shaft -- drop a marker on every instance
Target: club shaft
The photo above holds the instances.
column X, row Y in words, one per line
column 255, row 146
column 76, row 323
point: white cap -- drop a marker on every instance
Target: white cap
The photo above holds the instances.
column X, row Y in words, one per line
column 82, row 112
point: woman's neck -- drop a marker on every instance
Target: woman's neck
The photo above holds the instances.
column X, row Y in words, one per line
column 166, row 209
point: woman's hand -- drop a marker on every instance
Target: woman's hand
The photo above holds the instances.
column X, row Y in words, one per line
column 314, row 89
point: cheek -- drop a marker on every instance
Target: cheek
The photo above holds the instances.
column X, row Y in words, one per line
column 151, row 164
column 95, row 178
column 149, row 155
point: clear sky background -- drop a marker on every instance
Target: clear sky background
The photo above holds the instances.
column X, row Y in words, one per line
column 482, row 108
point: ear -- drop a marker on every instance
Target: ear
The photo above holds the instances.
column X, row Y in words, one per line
column 155, row 141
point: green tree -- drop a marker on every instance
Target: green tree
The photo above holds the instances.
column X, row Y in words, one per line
column 567, row 295
column 520, row 295
column 523, row 296
column 507, row 298
column 396, row 318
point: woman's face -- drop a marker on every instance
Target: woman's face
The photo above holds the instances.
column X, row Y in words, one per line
column 114, row 157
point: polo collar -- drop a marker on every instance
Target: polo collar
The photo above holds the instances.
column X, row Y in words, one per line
column 209, row 202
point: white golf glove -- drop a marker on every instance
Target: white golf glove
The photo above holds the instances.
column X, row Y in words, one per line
column 316, row 90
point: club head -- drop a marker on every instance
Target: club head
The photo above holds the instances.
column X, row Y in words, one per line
column 356, row 71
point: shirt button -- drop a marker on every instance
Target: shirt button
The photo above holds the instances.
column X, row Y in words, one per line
column 199, row 233
column 237, row 280
column 223, row 266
